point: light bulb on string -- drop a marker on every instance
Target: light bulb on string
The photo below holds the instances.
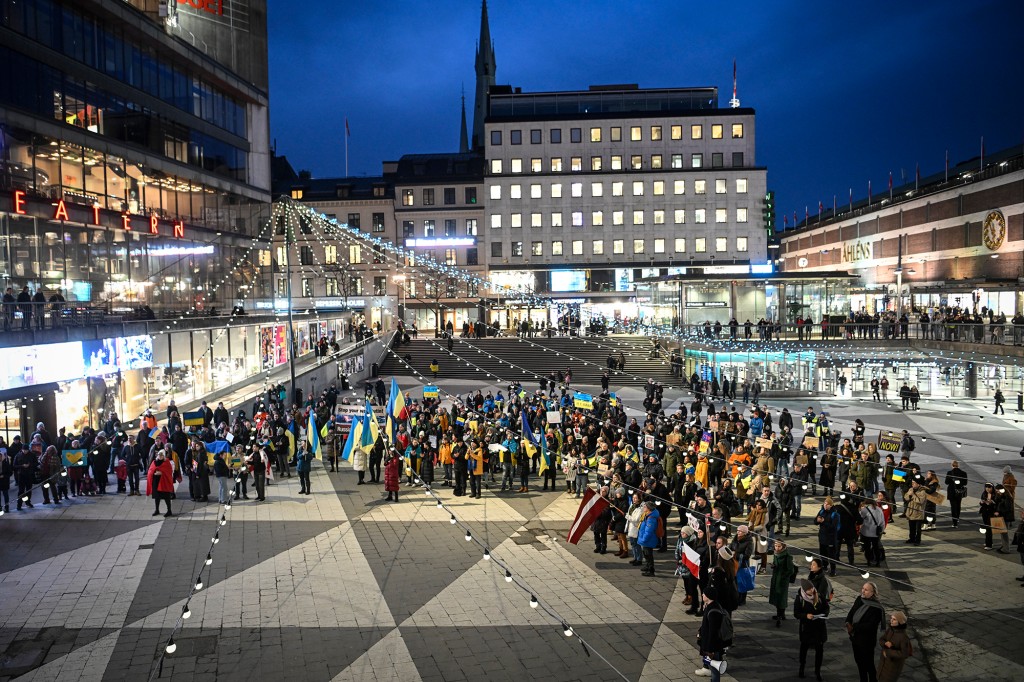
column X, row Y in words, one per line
column 533, row 601
column 171, row 647
column 452, row 520
column 199, row 583
column 508, row 576
column 185, row 612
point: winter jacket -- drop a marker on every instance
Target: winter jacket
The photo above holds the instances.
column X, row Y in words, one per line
column 782, row 571
column 392, row 474
column 812, row 632
column 647, row 535
column 890, row 666
column 915, row 503
column 828, row 528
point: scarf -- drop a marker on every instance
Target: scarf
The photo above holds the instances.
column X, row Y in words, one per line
column 865, row 606
column 807, row 598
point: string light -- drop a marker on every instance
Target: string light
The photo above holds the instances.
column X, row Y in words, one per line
column 171, row 647
column 186, row 613
column 533, row 602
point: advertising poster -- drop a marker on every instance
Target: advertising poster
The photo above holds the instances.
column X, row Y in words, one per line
column 134, row 352
column 266, row 347
column 280, row 345
column 100, row 357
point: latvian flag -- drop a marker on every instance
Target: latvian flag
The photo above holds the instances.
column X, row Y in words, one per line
column 691, row 559
column 592, row 506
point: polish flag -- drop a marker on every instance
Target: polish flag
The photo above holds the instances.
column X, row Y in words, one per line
column 591, row 507
column 691, row 559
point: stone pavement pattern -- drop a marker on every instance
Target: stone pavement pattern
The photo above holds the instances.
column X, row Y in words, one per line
column 343, row 586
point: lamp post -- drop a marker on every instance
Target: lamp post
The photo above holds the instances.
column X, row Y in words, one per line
column 400, row 281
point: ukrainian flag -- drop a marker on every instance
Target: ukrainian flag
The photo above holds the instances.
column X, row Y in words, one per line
column 313, row 436
column 899, row 475
column 355, row 435
column 193, row 418
column 370, row 430
column 290, row 434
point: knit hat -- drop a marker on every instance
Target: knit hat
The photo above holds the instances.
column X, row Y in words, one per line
column 686, row 531
column 710, row 592
column 1006, row 470
column 743, row 529
column 806, row 585
column 726, row 553
column 900, row 617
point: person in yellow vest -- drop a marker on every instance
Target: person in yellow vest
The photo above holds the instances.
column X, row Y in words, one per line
column 477, row 456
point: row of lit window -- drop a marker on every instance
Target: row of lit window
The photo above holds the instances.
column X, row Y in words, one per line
column 430, row 228
column 427, row 197
column 614, row 134
column 700, row 245
column 597, row 163
column 597, row 218
column 618, row 187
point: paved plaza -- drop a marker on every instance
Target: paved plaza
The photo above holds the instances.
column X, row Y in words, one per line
column 341, row 585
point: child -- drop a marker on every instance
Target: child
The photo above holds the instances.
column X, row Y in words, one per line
column 121, row 470
column 392, row 475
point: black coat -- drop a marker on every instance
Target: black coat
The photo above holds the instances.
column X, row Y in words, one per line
column 812, row 632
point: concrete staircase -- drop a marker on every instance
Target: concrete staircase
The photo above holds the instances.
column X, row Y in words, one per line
column 540, row 355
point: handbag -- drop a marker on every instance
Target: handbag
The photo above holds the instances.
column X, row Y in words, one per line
column 745, row 579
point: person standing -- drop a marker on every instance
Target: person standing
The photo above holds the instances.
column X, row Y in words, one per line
column 359, row 459
column 392, row 475
column 896, row 648
column 25, row 305
column 258, row 462
column 160, row 482
column 999, row 402
column 810, row 609
column 863, row 623
column 647, row 536
column 828, row 520
column 916, row 500
column 783, row 575
column 871, row 529
column 200, row 477
column 956, row 490
column 711, row 643
column 303, row 465
column 477, row 458
column 223, row 473
column 25, row 465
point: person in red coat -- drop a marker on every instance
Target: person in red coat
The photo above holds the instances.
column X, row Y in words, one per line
column 392, row 475
column 160, row 481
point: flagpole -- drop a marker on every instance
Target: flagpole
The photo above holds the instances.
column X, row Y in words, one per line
column 346, row 147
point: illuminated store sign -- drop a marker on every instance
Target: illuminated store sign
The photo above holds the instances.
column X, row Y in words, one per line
column 48, row 363
column 858, row 250
column 174, row 251
column 432, row 242
column 211, row 6
column 94, row 215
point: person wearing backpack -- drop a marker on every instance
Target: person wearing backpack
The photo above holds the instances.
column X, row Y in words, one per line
column 956, row 490
column 810, row 609
column 896, row 648
column 715, row 634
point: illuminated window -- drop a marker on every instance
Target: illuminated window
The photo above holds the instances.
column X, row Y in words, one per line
column 741, row 243
column 332, row 286
column 495, row 166
column 471, row 226
column 618, row 246
column 638, row 217
column 577, row 164
column 638, row 188
column 536, row 248
column 659, row 217
column 700, row 186
column 696, row 160
column 677, row 132
column 516, row 220
column 617, row 217
column 496, row 220
column 636, row 162
column 616, row 134
column 680, row 245
column 495, row 192
column 595, row 163
column 556, row 164
column 699, row 216
column 576, row 189
column 741, row 185
column 696, row 131
column 595, row 134
column 636, row 134
column 721, row 244
column 450, row 257
column 556, row 219
column 556, row 248
column 556, row 190
column 616, row 162
column 720, row 186
column 577, row 218
column 617, row 188
column 679, row 186
column 597, row 189
column 330, row 254
column 517, row 249
column 577, row 247
column 677, row 161
column 517, row 165
column 536, row 220
column 656, row 161
column 659, row 245
column 659, row 188
column 355, row 254
column 408, row 197
column 679, row 216
column 536, row 166
column 598, row 247
column 638, row 246
column 428, row 228
column 716, row 131
column 535, row 191
column 655, row 133
column 721, row 215
column 737, row 130
column 597, row 218
column 741, row 215
column 296, row 194
column 700, row 245
column 515, row 192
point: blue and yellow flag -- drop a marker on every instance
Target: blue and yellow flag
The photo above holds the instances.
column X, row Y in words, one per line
column 370, row 430
column 899, row 475
column 193, row 418
column 355, row 436
column 313, row 436
column 290, row 435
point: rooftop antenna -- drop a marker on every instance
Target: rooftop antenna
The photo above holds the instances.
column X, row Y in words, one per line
column 735, row 101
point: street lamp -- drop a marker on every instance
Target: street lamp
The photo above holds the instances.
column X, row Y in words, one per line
column 400, row 281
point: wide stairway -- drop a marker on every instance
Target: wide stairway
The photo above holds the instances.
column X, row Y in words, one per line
column 513, row 358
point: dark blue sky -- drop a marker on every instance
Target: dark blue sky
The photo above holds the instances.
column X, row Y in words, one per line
column 844, row 92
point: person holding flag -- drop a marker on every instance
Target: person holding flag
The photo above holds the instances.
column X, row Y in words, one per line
column 313, row 437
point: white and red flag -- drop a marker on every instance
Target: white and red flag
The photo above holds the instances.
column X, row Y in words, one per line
column 591, row 507
column 691, row 559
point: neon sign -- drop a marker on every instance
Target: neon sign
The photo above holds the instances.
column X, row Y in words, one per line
column 61, row 211
column 211, row 6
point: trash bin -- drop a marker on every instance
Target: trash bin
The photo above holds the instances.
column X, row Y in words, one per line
column 374, row 370
column 1020, row 401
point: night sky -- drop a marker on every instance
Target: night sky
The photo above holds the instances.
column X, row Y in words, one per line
column 844, row 92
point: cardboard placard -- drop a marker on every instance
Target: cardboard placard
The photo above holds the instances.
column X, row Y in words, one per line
column 765, row 443
column 554, row 417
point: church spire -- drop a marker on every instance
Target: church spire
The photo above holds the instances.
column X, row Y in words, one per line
column 463, row 134
column 486, row 66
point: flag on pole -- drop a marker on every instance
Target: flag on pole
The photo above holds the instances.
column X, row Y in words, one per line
column 590, row 508
column 981, row 166
column 355, row 437
column 290, row 434
column 869, row 192
column 313, row 436
column 545, row 457
column 917, row 175
column 785, row 221
column 527, row 431
column 851, row 200
column 947, row 166
column 371, row 431
column 691, row 559
column 348, row 131
column 890, row 184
